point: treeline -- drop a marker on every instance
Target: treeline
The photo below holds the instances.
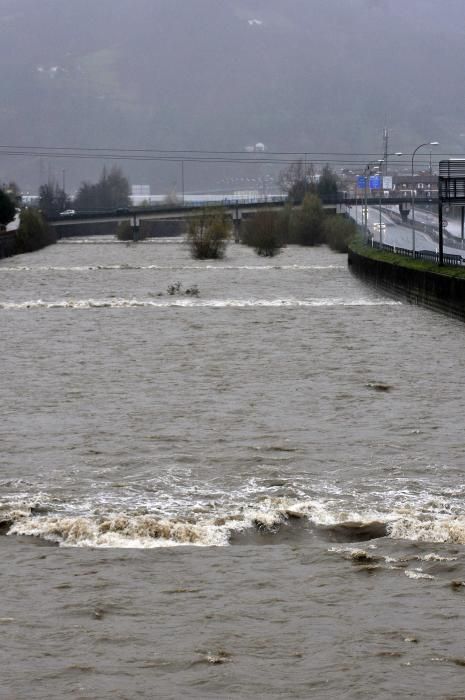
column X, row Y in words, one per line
column 110, row 192
column 269, row 231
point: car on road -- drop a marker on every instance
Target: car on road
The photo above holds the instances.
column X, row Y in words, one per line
column 68, row 212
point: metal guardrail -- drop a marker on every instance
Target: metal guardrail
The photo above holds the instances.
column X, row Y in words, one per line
column 428, row 255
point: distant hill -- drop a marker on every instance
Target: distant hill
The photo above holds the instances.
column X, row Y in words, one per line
column 317, row 76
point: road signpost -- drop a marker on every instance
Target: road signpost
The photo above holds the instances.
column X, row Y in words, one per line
column 451, row 191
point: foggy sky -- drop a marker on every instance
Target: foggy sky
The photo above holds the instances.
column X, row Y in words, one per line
column 302, row 75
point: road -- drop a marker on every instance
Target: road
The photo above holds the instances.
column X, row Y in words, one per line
column 398, row 235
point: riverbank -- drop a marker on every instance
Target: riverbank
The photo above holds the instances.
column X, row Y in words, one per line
column 7, row 243
column 417, row 281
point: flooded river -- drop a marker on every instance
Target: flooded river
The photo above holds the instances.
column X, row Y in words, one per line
column 226, row 479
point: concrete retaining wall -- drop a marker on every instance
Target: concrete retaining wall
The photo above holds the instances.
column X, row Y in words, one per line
column 430, row 289
column 155, row 229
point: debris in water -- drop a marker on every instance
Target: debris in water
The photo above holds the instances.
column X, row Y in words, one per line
column 379, row 386
column 177, row 288
column 360, row 555
column 219, row 658
column 98, row 613
column 456, row 584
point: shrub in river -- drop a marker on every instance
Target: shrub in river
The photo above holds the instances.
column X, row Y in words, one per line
column 124, row 231
column 33, row 232
column 306, row 224
column 262, row 233
column 176, row 288
column 339, row 231
column 208, row 234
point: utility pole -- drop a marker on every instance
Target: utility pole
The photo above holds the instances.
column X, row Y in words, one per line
column 386, row 149
column 182, row 181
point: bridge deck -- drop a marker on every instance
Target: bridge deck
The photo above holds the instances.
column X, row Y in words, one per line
column 236, row 210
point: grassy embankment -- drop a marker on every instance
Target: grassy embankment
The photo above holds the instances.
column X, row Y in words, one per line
column 360, row 248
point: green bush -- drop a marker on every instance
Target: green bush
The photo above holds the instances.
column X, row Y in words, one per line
column 33, row 232
column 208, row 234
column 124, row 231
column 339, row 232
column 262, row 232
column 7, row 209
column 306, row 223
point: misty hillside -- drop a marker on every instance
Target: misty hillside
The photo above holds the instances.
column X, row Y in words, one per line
column 300, row 75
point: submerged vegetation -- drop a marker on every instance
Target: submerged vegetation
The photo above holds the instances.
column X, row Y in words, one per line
column 263, row 232
column 308, row 225
column 208, row 234
column 176, row 289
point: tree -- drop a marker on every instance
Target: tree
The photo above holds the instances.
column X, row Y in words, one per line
column 13, row 191
column 110, row 192
column 52, row 200
column 7, row 209
column 327, row 186
column 306, row 227
column 33, row 232
column 339, row 231
column 262, row 232
column 208, row 234
column 297, row 180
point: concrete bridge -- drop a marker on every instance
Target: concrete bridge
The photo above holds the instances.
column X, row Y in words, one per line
column 105, row 221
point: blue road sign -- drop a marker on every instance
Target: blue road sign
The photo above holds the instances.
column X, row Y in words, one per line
column 361, row 182
column 375, row 182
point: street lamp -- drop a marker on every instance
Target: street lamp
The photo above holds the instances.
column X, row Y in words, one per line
column 429, row 143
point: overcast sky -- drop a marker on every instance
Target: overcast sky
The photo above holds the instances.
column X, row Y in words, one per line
column 302, row 75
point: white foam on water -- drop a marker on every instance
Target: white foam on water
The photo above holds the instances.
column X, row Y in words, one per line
column 418, row 575
column 160, row 521
column 433, row 556
column 180, row 268
column 190, row 303
column 441, row 529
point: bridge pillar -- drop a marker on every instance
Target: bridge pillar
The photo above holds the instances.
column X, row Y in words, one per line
column 237, row 219
column 135, row 224
column 404, row 208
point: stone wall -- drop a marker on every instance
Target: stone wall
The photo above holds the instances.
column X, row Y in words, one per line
column 433, row 290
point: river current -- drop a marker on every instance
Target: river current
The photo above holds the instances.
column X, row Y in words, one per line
column 226, row 479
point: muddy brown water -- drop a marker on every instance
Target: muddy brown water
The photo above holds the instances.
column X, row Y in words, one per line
column 256, row 491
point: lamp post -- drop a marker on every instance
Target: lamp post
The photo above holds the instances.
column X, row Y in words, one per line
column 429, row 143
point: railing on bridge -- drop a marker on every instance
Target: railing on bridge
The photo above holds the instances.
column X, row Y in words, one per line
column 340, row 199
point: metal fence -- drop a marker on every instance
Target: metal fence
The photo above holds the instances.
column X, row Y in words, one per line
column 428, row 255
